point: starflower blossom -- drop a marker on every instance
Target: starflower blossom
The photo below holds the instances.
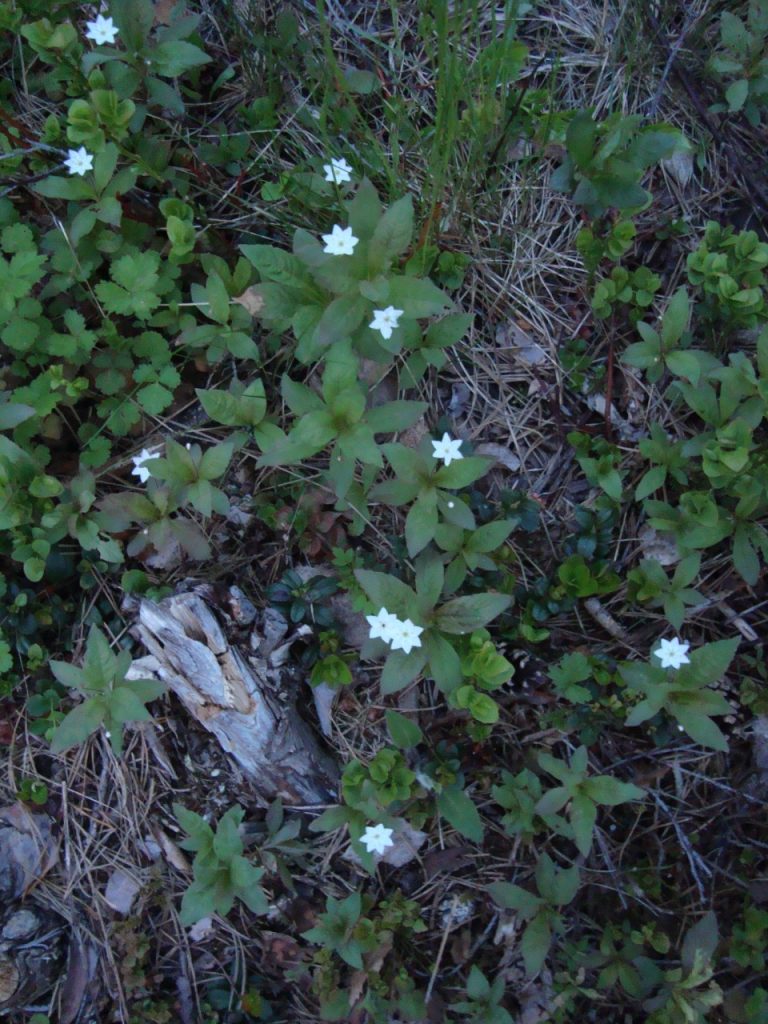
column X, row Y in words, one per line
column 406, row 636
column 340, row 242
column 382, row 625
column 79, row 161
column 385, row 321
column 377, row 838
column 102, row 30
column 139, row 469
column 337, row 171
column 446, row 449
column 672, row 653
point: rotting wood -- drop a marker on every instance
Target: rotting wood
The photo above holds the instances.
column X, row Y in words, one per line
column 240, row 700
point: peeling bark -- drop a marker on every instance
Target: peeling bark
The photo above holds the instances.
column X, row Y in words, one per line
column 240, row 700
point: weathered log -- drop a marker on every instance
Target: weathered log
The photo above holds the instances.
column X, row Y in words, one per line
column 32, row 938
column 241, row 700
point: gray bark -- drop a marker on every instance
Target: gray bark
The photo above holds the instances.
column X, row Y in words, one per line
column 239, row 699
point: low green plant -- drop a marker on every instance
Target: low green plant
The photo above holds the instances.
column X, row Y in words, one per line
column 650, row 584
column 540, row 911
column 278, row 843
column 749, row 938
column 427, row 485
column 483, row 1002
column 581, row 371
column 483, row 669
column 599, row 461
column 687, row 993
column 724, row 463
column 604, row 240
column 685, row 694
column 384, row 781
column 442, row 620
column 109, row 698
column 622, row 960
column 470, row 550
column 581, row 794
column 666, row 348
column 606, row 160
column 519, row 796
column 221, row 874
column 338, row 417
column 32, row 791
column 739, row 63
column 304, row 600
column 344, row 930
column 729, row 271
column 634, row 289
column 669, row 464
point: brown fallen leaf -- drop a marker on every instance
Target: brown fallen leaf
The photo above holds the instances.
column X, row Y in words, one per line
column 251, row 300
column 163, row 11
column 27, row 849
column 502, row 455
column 121, row 891
column 449, row 859
column 171, row 852
column 526, row 348
column 81, row 967
column 280, row 950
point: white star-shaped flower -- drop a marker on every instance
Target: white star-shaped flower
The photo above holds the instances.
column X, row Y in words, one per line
column 139, row 469
column 405, row 636
column 79, row 160
column 382, row 625
column 385, row 320
column 446, row 449
column 337, row 171
column 102, row 30
column 377, row 838
column 340, row 242
column 672, row 653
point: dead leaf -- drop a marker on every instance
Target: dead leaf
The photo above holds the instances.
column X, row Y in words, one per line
column 81, row 966
column 451, row 858
column 502, row 455
column 414, row 435
column 679, row 166
column 201, row 929
column 526, row 349
column 280, row 950
column 163, row 11
column 406, row 841
column 624, row 428
column 324, row 696
column 374, row 961
column 354, row 628
column 460, row 395
column 357, row 985
column 167, row 557
column 171, row 852
column 251, row 300
column 27, row 850
column 661, row 546
column 121, row 891
column 9, row 979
